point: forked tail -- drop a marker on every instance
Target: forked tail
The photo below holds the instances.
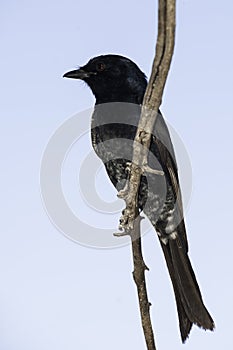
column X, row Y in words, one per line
column 190, row 306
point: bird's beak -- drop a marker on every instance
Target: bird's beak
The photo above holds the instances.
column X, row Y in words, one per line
column 76, row 74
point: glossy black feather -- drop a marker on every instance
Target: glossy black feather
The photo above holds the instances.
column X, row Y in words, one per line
column 119, row 86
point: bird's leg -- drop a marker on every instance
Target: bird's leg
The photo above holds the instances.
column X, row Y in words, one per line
column 129, row 213
column 145, row 169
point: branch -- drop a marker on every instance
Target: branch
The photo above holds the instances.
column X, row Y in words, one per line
column 139, row 279
column 130, row 219
column 151, row 103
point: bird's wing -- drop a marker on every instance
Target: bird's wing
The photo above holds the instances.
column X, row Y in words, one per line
column 161, row 145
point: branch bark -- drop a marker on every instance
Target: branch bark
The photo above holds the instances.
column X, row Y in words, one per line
column 140, row 281
column 130, row 219
column 150, row 106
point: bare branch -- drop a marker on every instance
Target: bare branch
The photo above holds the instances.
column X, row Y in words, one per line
column 151, row 103
column 139, row 279
column 130, row 220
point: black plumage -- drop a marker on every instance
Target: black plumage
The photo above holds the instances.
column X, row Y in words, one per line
column 119, row 86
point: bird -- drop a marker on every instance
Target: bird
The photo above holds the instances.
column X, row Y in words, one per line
column 118, row 86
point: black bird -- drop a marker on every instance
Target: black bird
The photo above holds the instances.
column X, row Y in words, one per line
column 119, row 86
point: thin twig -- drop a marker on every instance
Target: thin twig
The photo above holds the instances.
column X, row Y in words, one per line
column 130, row 220
column 139, row 278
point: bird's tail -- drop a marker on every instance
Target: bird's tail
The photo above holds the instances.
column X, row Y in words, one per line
column 190, row 306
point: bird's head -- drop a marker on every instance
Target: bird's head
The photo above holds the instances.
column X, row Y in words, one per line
column 112, row 78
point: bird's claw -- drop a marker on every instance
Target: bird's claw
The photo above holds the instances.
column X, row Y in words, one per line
column 123, row 193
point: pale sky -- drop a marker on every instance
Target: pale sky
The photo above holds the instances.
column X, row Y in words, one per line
column 58, row 294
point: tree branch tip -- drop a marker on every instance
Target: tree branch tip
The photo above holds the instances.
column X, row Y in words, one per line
column 147, row 169
column 120, row 234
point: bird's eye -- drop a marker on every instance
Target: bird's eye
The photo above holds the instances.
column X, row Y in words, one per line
column 100, row 67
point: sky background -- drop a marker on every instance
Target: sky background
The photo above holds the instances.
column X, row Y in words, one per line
column 57, row 294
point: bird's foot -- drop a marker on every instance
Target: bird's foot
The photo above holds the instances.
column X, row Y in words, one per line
column 124, row 219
